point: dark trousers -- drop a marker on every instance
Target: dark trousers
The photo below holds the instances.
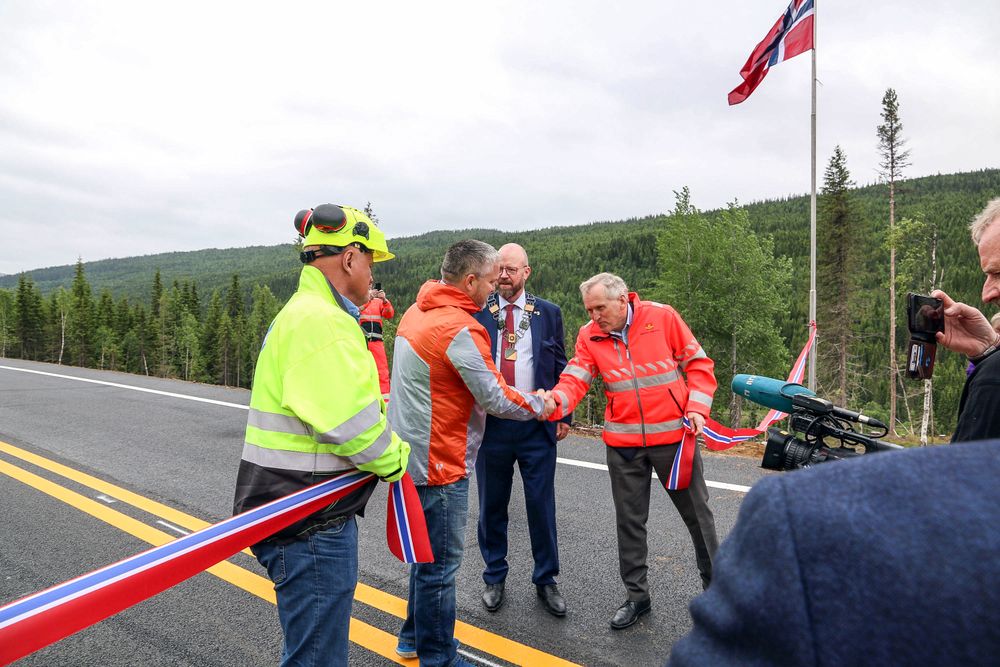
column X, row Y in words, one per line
column 527, row 444
column 630, row 485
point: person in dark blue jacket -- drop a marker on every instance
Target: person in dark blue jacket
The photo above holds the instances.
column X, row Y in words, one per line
column 888, row 559
column 526, row 334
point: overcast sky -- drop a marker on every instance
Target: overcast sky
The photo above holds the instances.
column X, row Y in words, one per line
column 130, row 128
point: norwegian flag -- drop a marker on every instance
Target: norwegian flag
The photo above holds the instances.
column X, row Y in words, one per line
column 790, row 36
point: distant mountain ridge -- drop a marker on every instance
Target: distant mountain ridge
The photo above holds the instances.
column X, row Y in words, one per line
column 560, row 256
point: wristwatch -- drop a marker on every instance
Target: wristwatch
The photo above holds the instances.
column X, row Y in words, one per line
column 988, row 351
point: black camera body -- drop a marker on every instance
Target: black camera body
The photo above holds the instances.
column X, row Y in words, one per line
column 825, row 437
column 924, row 319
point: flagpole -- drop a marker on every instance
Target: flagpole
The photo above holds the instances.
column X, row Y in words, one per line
column 812, row 214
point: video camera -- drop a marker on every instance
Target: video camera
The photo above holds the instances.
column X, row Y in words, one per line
column 827, row 430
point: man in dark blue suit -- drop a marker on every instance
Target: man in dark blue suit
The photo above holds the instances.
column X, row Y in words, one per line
column 527, row 342
column 890, row 559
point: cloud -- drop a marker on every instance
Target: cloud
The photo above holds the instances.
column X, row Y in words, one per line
column 131, row 128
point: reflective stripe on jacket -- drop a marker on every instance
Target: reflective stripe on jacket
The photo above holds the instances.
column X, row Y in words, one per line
column 444, row 382
column 643, row 381
column 316, row 407
column 372, row 315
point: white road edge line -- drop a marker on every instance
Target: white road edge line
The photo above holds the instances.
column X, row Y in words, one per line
column 601, row 466
column 132, row 387
column 571, row 462
column 172, row 527
column 478, row 658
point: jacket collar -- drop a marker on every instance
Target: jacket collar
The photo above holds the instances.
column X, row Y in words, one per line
column 437, row 294
column 313, row 281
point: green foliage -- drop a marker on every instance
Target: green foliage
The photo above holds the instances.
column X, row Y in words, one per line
column 28, row 318
column 730, row 289
column 890, row 139
column 7, row 322
column 733, row 289
column 837, row 277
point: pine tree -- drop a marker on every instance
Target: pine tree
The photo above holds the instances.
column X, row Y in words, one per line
column 210, row 337
column 263, row 311
column 157, row 295
column 893, row 160
column 235, row 336
column 106, row 342
column 837, row 243
column 80, row 326
column 28, row 318
column 6, row 322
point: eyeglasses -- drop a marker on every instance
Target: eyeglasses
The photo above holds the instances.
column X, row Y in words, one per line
column 510, row 270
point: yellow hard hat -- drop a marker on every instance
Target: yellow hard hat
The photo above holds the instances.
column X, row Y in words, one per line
column 340, row 226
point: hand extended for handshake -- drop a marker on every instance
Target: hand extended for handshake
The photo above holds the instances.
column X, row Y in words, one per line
column 550, row 404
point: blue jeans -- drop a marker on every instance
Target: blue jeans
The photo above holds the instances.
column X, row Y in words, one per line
column 314, row 580
column 430, row 609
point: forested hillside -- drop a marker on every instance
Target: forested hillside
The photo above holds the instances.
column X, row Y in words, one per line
column 739, row 276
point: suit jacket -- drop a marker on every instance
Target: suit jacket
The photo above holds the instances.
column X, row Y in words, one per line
column 890, row 559
column 548, row 348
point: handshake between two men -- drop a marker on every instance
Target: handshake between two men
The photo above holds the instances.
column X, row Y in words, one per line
column 696, row 420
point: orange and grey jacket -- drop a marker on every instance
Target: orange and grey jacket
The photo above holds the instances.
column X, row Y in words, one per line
column 444, row 382
column 643, row 381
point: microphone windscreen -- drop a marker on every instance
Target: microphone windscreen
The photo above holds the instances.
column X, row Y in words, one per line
column 769, row 392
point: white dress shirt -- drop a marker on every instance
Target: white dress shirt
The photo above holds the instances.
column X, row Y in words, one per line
column 524, row 367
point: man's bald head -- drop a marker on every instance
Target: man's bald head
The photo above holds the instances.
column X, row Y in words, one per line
column 514, row 271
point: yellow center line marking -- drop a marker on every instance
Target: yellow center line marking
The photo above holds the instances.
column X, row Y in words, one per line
column 363, row 634
column 370, row 637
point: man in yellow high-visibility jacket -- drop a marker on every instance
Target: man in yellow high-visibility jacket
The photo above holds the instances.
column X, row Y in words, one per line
column 316, row 410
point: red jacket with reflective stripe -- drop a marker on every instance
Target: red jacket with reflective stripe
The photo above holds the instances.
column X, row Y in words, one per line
column 372, row 315
column 644, row 380
column 376, row 310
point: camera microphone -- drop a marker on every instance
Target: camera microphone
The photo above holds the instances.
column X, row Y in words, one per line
column 786, row 396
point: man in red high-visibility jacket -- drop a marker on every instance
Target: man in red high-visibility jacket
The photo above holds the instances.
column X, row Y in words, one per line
column 643, row 351
column 377, row 309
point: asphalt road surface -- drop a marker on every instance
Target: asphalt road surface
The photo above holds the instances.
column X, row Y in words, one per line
column 96, row 466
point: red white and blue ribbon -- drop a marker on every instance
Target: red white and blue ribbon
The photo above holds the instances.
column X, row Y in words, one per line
column 43, row 618
column 680, row 471
column 718, row 437
column 405, row 526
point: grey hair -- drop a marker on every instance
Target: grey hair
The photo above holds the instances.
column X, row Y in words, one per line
column 614, row 287
column 465, row 257
column 988, row 215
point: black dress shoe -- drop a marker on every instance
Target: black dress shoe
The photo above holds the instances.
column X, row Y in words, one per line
column 553, row 599
column 493, row 596
column 629, row 613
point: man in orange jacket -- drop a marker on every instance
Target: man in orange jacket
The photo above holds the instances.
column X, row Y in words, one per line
column 445, row 382
column 377, row 309
column 641, row 349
